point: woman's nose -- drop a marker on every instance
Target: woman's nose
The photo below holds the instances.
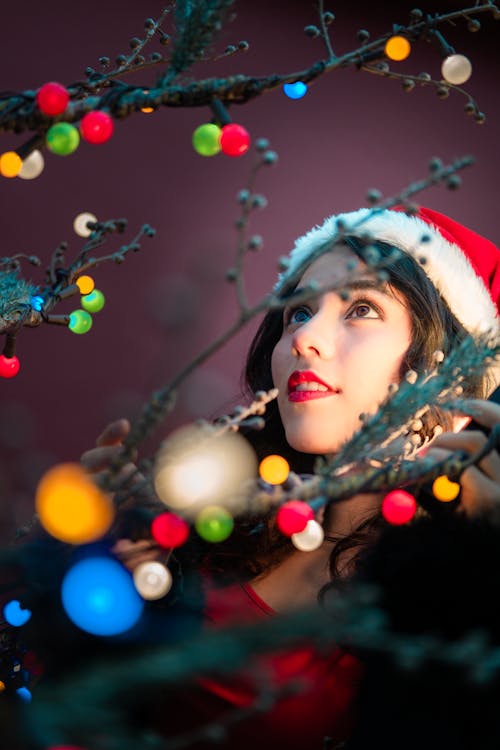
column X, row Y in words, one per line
column 316, row 337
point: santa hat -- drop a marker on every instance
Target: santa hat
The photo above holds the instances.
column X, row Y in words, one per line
column 463, row 266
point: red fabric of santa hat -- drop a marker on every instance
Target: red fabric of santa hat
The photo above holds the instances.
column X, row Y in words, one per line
column 463, row 266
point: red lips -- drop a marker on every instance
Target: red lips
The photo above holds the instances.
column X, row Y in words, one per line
column 305, row 376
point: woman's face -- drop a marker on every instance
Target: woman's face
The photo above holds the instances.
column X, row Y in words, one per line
column 336, row 358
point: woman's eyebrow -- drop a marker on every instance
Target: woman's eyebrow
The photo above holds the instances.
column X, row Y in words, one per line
column 349, row 286
column 370, row 284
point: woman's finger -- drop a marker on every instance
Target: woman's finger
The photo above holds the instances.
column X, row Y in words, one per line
column 125, row 547
column 114, row 433
column 129, row 477
column 487, row 413
column 471, row 441
column 98, row 459
column 131, row 554
column 479, row 492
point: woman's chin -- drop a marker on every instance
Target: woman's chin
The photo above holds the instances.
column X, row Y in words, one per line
column 311, row 444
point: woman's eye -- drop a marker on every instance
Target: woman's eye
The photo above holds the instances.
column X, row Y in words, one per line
column 363, row 310
column 297, row 315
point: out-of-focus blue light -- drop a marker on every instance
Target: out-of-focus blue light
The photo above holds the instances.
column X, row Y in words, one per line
column 14, row 614
column 99, row 596
column 24, row 694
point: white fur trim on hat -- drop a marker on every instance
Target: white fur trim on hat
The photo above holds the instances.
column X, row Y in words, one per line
column 446, row 265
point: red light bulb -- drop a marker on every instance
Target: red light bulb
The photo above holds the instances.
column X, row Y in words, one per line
column 52, row 98
column 96, row 127
column 398, row 507
column 234, row 140
column 9, row 366
column 169, row 530
column 293, row 516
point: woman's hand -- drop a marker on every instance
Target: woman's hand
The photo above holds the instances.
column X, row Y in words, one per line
column 108, row 447
column 131, row 554
column 97, row 462
column 480, row 493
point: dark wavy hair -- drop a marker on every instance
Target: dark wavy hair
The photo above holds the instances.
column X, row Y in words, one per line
column 255, row 545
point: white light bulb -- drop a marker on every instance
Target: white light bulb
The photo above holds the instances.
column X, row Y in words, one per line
column 198, row 466
column 309, row 539
column 152, row 580
column 80, row 224
column 456, row 69
column 32, row 166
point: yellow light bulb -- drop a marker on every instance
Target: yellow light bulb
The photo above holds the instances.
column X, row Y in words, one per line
column 10, row 164
column 445, row 490
column 71, row 507
column 85, row 284
column 397, row 48
column 274, row 469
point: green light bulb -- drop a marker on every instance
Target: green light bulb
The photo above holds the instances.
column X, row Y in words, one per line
column 80, row 321
column 62, row 138
column 94, row 301
column 206, row 139
column 214, row 523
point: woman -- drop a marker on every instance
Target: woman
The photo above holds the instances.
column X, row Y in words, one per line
column 389, row 291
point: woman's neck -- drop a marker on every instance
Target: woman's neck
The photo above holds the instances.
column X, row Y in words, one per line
column 298, row 579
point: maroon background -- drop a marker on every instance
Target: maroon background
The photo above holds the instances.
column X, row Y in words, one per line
column 352, row 131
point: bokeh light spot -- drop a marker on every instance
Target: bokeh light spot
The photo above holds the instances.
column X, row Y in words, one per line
column 169, row 530
column 444, row 489
column 398, row 507
column 292, row 517
column 15, row 614
column 71, row 507
column 310, row 538
column 152, row 580
column 99, row 596
column 214, row 523
column 274, row 469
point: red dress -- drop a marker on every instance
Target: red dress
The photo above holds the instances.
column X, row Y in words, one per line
column 322, row 705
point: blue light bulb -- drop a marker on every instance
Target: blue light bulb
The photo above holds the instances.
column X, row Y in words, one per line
column 36, row 302
column 99, row 596
column 24, row 694
column 295, row 90
column 14, row 614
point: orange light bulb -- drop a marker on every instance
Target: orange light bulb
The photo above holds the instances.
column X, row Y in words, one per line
column 10, row 164
column 71, row 507
column 445, row 490
column 85, row 284
column 274, row 469
column 397, row 48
